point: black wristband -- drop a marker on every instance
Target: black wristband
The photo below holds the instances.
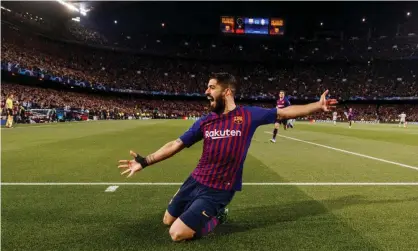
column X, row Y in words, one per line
column 141, row 160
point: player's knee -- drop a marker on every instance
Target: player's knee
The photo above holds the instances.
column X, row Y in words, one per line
column 168, row 219
column 177, row 235
column 180, row 231
column 276, row 126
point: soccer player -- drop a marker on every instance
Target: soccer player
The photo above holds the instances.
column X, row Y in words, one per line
column 334, row 117
column 200, row 203
column 290, row 123
column 282, row 102
column 350, row 117
column 402, row 120
column 9, row 110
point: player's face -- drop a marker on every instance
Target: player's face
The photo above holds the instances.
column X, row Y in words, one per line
column 216, row 96
column 281, row 95
column 351, row 109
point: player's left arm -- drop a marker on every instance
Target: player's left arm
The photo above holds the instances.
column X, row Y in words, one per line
column 295, row 111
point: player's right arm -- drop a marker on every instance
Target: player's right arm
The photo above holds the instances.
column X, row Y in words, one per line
column 190, row 137
column 295, row 111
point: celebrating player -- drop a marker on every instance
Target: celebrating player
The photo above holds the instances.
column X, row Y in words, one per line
column 402, row 120
column 200, row 203
column 282, row 102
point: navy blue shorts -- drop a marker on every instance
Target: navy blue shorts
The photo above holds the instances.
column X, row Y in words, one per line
column 195, row 204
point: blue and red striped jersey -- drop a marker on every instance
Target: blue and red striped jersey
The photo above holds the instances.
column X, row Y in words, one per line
column 283, row 103
column 226, row 139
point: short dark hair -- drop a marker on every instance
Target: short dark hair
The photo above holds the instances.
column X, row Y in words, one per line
column 282, row 91
column 225, row 80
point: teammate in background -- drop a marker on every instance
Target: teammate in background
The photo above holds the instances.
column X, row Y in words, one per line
column 402, row 120
column 9, row 110
column 334, row 117
column 350, row 117
column 200, row 203
column 282, row 102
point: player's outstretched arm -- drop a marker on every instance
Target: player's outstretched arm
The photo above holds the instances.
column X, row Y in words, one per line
column 295, row 111
column 139, row 162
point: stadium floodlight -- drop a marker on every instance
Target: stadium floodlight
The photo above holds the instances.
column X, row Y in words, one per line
column 72, row 7
column 83, row 9
column 363, row 20
column 322, row 24
column 408, row 14
column 68, row 5
column 5, row 9
column 116, row 21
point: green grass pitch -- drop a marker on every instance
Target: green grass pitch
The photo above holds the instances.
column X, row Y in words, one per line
column 262, row 217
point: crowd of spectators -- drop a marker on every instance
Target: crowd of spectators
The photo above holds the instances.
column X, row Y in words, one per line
column 40, row 98
column 85, row 34
column 333, row 46
column 122, row 70
column 350, row 68
column 96, row 105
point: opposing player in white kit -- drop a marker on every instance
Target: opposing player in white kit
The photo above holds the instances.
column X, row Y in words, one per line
column 334, row 117
column 290, row 123
column 403, row 119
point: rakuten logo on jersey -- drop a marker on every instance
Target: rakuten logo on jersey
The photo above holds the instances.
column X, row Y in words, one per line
column 221, row 134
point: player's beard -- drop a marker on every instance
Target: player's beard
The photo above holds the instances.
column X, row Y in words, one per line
column 217, row 105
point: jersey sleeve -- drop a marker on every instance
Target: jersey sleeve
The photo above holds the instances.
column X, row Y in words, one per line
column 287, row 103
column 193, row 135
column 262, row 116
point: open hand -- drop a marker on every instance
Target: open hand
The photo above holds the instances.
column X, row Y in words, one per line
column 327, row 104
column 131, row 166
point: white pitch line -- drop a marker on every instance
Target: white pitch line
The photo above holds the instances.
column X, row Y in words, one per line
column 349, row 152
column 111, row 189
column 245, row 184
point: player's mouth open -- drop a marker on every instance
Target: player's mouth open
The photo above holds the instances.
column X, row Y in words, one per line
column 211, row 99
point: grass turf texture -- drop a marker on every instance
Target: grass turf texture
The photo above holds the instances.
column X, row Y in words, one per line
column 262, row 217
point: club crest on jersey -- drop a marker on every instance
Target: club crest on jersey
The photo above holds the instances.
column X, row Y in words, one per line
column 238, row 120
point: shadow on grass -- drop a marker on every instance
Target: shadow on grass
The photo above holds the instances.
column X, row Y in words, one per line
column 265, row 216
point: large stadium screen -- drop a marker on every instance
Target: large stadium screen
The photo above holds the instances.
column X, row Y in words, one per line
column 239, row 24
column 227, row 24
column 256, row 25
column 276, row 26
column 250, row 25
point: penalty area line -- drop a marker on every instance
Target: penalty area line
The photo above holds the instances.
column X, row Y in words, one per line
column 349, row 152
column 245, row 184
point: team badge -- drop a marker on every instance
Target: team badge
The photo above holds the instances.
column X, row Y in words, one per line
column 238, row 119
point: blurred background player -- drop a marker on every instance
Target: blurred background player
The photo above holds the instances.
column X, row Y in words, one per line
column 290, row 123
column 9, row 110
column 403, row 119
column 282, row 102
column 334, row 117
column 350, row 117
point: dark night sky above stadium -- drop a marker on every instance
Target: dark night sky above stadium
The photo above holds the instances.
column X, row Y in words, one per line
column 204, row 17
